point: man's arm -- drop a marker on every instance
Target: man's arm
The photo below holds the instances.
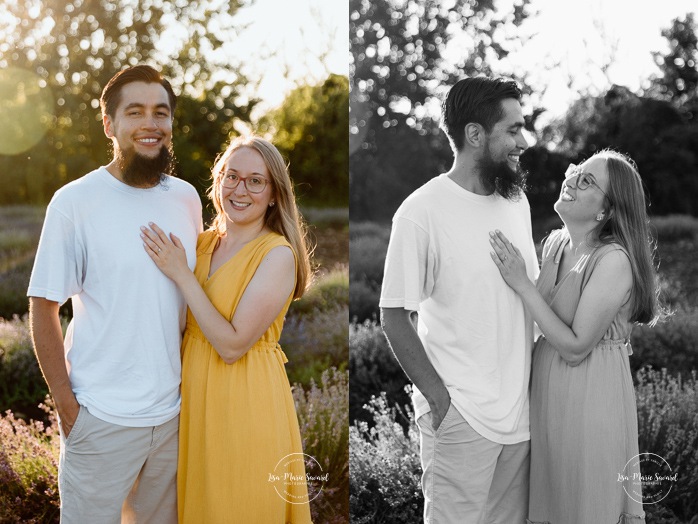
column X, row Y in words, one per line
column 47, row 337
column 410, row 353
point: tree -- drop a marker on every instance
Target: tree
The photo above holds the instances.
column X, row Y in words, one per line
column 679, row 67
column 73, row 48
column 397, row 69
column 311, row 129
column 652, row 132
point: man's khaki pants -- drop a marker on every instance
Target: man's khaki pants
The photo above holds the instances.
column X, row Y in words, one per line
column 468, row 479
column 116, row 474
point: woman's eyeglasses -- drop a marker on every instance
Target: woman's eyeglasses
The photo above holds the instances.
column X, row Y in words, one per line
column 254, row 184
column 583, row 180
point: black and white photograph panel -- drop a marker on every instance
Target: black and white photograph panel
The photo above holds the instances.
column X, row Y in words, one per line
column 523, row 222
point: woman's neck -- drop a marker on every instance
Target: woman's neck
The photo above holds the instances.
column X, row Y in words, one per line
column 238, row 234
column 581, row 238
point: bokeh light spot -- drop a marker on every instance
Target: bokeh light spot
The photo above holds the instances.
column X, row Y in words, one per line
column 26, row 110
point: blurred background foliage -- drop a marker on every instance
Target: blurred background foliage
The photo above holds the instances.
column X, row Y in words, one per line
column 398, row 75
column 56, row 57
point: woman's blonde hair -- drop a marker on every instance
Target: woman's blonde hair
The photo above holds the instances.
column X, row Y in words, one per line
column 283, row 217
column 626, row 222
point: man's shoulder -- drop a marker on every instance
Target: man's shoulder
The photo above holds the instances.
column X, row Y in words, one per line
column 181, row 186
column 76, row 189
column 423, row 197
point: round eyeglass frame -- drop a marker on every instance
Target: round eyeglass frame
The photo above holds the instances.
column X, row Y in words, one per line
column 574, row 170
column 244, row 180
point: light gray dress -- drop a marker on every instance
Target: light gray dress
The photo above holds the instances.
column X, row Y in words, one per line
column 583, row 418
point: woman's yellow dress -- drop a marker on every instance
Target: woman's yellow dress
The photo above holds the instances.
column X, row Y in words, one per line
column 238, row 425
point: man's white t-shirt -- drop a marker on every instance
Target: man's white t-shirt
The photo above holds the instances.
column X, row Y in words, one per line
column 123, row 343
column 473, row 326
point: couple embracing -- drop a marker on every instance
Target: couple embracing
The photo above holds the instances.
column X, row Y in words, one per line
column 512, row 432
column 156, row 302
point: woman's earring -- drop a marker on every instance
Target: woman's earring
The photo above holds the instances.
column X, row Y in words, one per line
column 599, row 217
column 271, row 204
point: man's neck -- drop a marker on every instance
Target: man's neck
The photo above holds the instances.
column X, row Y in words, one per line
column 464, row 173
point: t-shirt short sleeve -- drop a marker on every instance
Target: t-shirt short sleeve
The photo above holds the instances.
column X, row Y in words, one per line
column 408, row 278
column 59, row 264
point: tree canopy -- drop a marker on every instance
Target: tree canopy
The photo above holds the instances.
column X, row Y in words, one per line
column 311, row 129
column 57, row 56
column 398, row 69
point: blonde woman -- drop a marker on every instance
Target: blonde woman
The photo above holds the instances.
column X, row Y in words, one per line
column 597, row 279
column 238, row 424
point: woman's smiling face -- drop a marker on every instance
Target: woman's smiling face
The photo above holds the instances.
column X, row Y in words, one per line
column 241, row 206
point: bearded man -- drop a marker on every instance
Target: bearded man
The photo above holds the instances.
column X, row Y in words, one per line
column 469, row 355
column 115, row 378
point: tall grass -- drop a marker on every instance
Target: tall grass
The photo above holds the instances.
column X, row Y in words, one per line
column 322, row 415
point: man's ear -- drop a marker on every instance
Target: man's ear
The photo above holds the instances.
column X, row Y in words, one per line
column 107, row 123
column 474, row 134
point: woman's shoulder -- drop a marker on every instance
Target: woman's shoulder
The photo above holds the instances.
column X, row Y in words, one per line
column 611, row 246
column 553, row 241
column 206, row 241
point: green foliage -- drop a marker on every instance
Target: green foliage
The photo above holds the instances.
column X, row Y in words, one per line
column 28, row 470
column 315, row 332
column 385, row 467
column 29, row 456
column 311, row 130
column 13, row 289
column 322, row 415
column 73, row 48
column 330, row 288
column 326, row 216
column 22, row 385
column 314, row 343
column 667, row 408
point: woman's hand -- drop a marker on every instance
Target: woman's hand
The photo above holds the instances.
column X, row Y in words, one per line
column 167, row 253
column 509, row 262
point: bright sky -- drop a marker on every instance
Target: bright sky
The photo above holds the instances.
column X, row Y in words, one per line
column 298, row 32
column 572, row 39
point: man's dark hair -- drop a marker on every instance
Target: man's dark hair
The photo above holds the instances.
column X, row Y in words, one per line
column 111, row 95
column 475, row 100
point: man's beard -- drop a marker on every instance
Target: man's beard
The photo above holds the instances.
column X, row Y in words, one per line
column 142, row 171
column 497, row 176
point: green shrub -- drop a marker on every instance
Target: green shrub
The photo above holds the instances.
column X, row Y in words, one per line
column 672, row 344
column 373, row 369
column 28, row 470
column 667, row 410
column 315, row 343
column 22, row 386
column 13, row 289
column 363, row 301
column 329, row 290
column 326, row 216
column 322, row 415
column 385, row 467
column 672, row 228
